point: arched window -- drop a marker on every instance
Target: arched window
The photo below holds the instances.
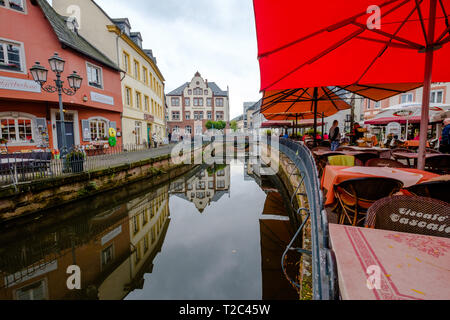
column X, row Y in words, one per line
column 16, row 130
column 98, row 129
column 188, row 130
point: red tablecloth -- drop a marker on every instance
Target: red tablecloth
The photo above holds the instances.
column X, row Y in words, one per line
column 334, row 175
column 386, row 265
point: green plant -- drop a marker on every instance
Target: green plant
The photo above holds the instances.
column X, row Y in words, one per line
column 75, row 155
column 269, row 132
column 233, row 125
column 3, row 141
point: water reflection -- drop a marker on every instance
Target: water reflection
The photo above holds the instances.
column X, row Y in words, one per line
column 216, row 233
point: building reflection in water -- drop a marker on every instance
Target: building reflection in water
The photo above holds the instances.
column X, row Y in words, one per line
column 207, row 185
column 117, row 245
column 113, row 249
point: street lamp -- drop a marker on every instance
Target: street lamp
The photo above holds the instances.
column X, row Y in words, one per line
column 40, row 74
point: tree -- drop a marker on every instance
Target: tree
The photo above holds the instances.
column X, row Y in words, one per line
column 233, row 125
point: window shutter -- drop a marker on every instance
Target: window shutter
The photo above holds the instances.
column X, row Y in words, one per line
column 86, row 130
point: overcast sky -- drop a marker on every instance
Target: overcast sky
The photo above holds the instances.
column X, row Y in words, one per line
column 215, row 37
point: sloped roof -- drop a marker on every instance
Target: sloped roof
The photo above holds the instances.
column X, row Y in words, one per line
column 214, row 87
column 72, row 39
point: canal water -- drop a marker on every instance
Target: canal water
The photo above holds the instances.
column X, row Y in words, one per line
column 216, row 233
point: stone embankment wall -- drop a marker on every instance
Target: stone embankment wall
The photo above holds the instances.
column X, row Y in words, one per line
column 29, row 198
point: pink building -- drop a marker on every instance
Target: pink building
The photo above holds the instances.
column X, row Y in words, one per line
column 30, row 31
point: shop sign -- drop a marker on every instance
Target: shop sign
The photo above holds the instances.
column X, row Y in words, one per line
column 403, row 113
column 19, row 85
column 97, row 97
column 395, row 128
column 149, row 117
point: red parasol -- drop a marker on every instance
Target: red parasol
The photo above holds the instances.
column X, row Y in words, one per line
column 305, row 44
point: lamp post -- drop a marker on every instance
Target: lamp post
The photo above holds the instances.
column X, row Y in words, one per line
column 40, row 73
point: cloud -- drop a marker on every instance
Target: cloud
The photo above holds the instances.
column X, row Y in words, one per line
column 216, row 38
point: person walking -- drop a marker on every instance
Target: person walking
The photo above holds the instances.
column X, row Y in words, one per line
column 335, row 135
column 170, row 137
column 445, row 140
column 155, row 142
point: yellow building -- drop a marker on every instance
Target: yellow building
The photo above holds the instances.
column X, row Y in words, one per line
column 142, row 81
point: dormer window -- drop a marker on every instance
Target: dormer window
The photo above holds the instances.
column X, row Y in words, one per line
column 72, row 24
column 17, row 5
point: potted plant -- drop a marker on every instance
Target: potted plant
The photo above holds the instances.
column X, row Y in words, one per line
column 75, row 160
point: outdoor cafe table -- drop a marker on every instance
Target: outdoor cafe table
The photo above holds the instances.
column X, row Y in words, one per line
column 333, row 175
column 386, row 265
column 411, row 156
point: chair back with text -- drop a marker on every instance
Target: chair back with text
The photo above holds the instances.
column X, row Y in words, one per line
column 410, row 214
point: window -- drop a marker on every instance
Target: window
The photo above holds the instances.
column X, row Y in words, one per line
column 190, row 92
column 145, row 243
column 175, row 115
column 16, row 130
column 137, row 254
column 201, row 185
column 146, row 103
column 437, row 96
column 206, row 92
column 219, row 102
column 13, row 4
column 198, row 91
column 137, row 71
column 188, row 131
column 10, row 56
column 209, row 102
column 107, row 256
column 198, row 102
column 405, row 98
column 175, row 102
column 219, row 115
column 98, row 129
column 138, row 100
column 211, row 184
column 34, row 291
column 368, row 107
column 135, row 224
column 188, row 115
column 198, row 115
column 126, row 62
column 128, row 100
column 187, row 102
column 209, row 115
column 94, row 76
column 138, row 132
column 145, row 75
column 221, row 173
column 377, row 105
column 144, row 217
column 221, row 184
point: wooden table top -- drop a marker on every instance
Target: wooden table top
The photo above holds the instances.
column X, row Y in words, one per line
column 385, row 265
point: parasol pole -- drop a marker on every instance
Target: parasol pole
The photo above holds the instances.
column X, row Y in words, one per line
column 316, row 94
column 429, row 51
column 323, row 120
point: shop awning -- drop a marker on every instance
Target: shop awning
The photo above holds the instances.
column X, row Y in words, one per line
column 405, row 115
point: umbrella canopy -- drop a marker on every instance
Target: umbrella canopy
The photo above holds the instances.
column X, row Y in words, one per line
column 355, row 43
column 300, row 103
column 411, row 114
column 328, row 43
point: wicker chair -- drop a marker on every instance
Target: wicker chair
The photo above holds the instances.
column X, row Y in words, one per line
column 435, row 189
column 385, row 163
column 408, row 214
column 439, row 164
column 356, row 196
column 364, row 157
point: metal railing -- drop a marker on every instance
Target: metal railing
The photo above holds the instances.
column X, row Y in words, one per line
column 323, row 262
column 16, row 168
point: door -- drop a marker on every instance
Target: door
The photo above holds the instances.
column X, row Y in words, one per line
column 70, row 135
